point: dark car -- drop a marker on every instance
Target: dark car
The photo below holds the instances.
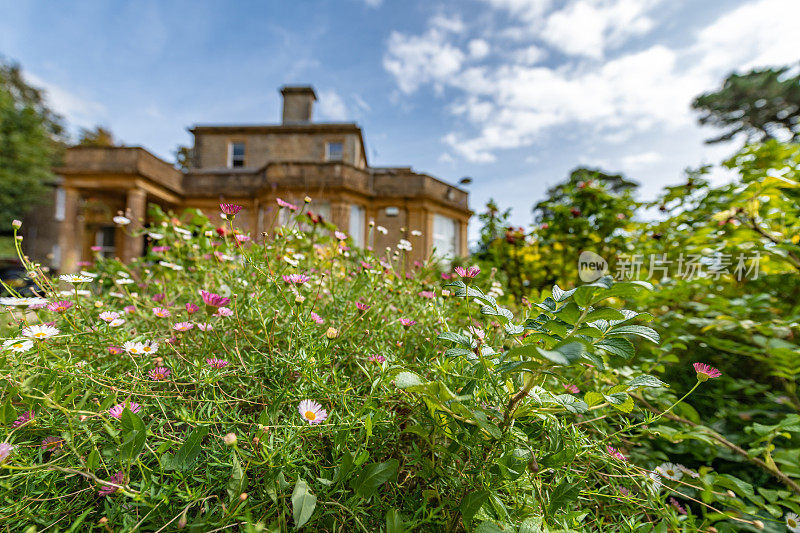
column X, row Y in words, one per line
column 14, row 275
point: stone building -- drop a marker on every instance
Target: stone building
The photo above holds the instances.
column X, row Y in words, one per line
column 252, row 165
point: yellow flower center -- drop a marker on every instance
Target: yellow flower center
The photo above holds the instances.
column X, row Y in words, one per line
column 40, row 334
column 791, row 523
column 311, row 415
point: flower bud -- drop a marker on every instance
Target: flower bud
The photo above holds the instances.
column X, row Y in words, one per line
column 307, row 199
column 758, row 524
column 332, row 333
column 243, row 496
column 229, row 439
column 17, row 224
column 299, row 299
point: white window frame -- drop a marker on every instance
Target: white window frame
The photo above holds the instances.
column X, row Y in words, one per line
column 328, row 151
column 230, row 153
column 61, row 205
column 453, row 248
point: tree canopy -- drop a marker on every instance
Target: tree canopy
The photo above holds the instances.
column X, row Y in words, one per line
column 31, row 138
column 763, row 104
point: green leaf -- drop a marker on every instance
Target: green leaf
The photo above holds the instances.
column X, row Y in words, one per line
column 619, row 346
column 604, row 313
column 403, row 380
column 459, row 352
column 394, row 522
column 457, row 338
column 569, row 313
column 471, row 504
column 134, row 434
column 373, row 476
column 646, row 381
column 93, row 461
column 634, row 329
column 186, row 455
column 238, row 482
column 492, row 527
column 564, row 494
column 303, row 503
column 8, row 413
column 564, row 354
column 560, row 294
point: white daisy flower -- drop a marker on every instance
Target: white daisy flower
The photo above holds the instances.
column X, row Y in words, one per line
column 88, row 274
column 18, row 345
column 416, row 233
column 312, row 412
column 123, row 281
column 122, row 221
column 183, row 231
column 655, row 481
column 117, row 322
column 40, row 331
column 793, row 523
column 155, row 236
column 74, row 278
column 149, row 347
column 133, row 348
column 688, row 471
column 670, row 471
column 382, row 230
column 80, row 292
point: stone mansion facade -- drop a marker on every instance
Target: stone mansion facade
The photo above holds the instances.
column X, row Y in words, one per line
column 250, row 165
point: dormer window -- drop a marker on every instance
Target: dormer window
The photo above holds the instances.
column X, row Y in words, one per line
column 236, row 154
column 334, row 151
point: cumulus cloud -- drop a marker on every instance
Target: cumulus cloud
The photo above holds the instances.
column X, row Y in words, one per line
column 643, row 88
column 638, row 161
column 331, row 106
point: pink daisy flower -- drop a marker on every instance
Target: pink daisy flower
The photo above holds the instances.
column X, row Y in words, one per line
column 159, row 373
column 230, row 209
column 615, row 453
column 469, row 272
column 106, row 490
column 407, row 322
column 108, row 316
column 117, row 410
column 362, row 307
column 204, row 326
column 427, row 294
column 161, row 312
column 115, row 350
column 192, row 308
column 214, row 300
column 678, row 507
column 283, row 203
column 52, row 444
column 159, row 297
column 316, row 318
column 217, row 363
column 183, row 326
column 223, row 312
column 5, row 451
column 24, row 418
column 130, row 309
column 242, row 238
column 339, row 235
column 312, row 412
column 705, row 372
column 572, row 388
column 375, row 358
column 159, row 249
column 59, row 307
column 296, row 279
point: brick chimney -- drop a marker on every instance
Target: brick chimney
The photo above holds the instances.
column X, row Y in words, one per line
column 298, row 101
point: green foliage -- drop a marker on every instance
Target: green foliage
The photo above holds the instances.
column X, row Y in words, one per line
column 97, row 137
column 762, row 104
column 30, row 137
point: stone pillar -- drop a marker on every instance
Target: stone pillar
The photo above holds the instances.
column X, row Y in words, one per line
column 70, row 232
column 463, row 248
column 340, row 215
column 136, row 210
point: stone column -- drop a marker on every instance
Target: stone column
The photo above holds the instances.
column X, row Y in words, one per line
column 135, row 209
column 340, row 215
column 70, row 231
column 462, row 236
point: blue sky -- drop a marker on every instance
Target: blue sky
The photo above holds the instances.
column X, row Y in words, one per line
column 513, row 93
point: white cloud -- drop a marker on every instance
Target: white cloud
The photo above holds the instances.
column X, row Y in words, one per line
column 451, row 24
column 527, row 10
column 76, row 109
column 638, row 161
column 373, row 3
column 589, row 27
column 331, row 106
column 478, row 48
column 418, row 59
column 514, row 103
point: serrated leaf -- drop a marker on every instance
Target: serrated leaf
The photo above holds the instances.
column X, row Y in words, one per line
column 619, row 346
column 593, row 398
column 646, row 381
column 634, row 329
column 560, row 294
column 457, row 338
